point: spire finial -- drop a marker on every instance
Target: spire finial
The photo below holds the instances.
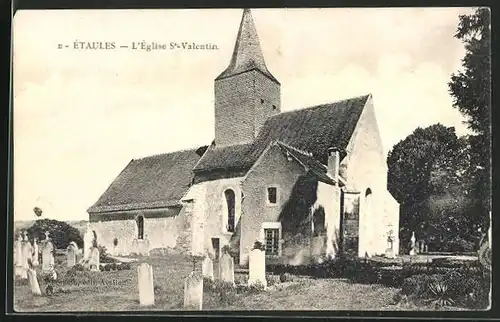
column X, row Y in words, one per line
column 247, row 54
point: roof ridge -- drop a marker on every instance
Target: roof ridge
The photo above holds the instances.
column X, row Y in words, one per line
column 294, row 148
column 167, row 153
column 319, row 105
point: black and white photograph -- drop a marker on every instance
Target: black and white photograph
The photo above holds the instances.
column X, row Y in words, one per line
column 280, row 159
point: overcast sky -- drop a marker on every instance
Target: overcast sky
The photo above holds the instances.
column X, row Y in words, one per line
column 81, row 116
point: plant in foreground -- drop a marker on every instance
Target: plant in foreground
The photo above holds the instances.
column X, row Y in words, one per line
column 440, row 295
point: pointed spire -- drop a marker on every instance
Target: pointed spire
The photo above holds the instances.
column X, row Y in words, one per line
column 247, row 53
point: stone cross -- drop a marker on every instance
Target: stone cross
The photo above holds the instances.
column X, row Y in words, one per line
column 145, row 284
column 33, row 282
column 257, row 268
column 71, row 256
column 226, row 268
column 193, row 292
column 412, row 247
column 208, row 268
column 94, row 260
column 48, row 256
column 47, row 235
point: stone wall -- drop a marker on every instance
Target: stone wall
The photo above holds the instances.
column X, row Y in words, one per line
column 365, row 168
column 271, row 170
column 171, row 232
column 239, row 112
column 210, row 200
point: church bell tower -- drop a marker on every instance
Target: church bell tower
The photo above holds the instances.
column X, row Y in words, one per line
column 246, row 93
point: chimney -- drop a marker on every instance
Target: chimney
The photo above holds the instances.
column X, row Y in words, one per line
column 334, row 164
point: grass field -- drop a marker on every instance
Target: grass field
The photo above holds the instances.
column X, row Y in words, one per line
column 117, row 291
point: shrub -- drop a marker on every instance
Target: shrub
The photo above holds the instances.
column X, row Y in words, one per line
column 286, row 277
column 271, row 279
column 449, row 288
column 441, row 296
column 223, row 292
column 259, row 245
column 125, row 266
column 60, row 232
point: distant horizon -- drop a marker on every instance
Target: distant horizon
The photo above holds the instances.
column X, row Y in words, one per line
column 81, row 116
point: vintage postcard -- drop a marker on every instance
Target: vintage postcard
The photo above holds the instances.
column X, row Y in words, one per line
column 251, row 159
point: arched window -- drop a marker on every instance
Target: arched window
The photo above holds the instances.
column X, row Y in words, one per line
column 140, row 227
column 230, row 202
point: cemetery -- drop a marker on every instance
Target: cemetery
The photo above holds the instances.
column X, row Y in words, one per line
column 87, row 279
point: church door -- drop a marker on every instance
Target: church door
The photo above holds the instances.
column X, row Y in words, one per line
column 350, row 223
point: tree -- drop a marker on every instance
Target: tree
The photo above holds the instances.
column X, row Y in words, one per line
column 428, row 176
column 414, row 163
column 60, row 232
column 471, row 91
column 471, row 88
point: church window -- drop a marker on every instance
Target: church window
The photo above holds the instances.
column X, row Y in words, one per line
column 261, row 101
column 230, row 202
column 140, row 227
column 272, row 240
column 274, row 107
column 272, row 195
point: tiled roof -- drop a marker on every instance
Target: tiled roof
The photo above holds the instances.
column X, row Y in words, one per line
column 151, row 182
column 313, row 130
column 308, row 161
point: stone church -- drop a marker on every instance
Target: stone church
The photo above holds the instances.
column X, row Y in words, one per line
column 310, row 184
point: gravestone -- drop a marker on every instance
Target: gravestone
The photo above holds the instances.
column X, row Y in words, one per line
column 71, row 256
column 422, row 246
column 145, row 284
column 88, row 243
column 93, row 262
column 226, row 268
column 34, row 258
column 48, row 256
column 193, row 292
column 208, row 268
column 33, row 282
column 18, row 258
column 26, row 254
column 426, row 250
column 257, row 268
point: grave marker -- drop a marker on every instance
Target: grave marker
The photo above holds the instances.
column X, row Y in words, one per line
column 193, row 292
column 145, row 284
column 208, row 268
column 94, row 260
column 226, row 268
column 33, row 282
column 257, row 268
column 71, row 255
